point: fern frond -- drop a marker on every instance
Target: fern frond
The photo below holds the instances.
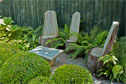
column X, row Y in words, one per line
column 54, row 40
column 58, row 45
column 101, row 37
column 66, row 28
column 72, row 46
column 77, row 52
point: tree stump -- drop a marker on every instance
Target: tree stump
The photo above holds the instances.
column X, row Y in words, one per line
column 93, row 65
column 44, row 40
column 51, row 62
column 68, row 42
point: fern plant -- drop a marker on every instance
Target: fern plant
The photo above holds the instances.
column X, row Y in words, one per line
column 95, row 38
column 112, row 68
column 60, row 41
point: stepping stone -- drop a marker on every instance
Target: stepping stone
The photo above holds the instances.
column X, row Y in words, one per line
column 47, row 53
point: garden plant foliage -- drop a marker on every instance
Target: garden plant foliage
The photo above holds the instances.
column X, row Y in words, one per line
column 72, row 74
column 23, row 67
column 60, row 41
column 41, row 80
column 95, row 38
column 6, row 51
column 25, row 37
column 120, row 53
column 115, row 62
column 112, row 68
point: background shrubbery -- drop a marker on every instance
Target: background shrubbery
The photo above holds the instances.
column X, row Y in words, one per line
column 72, row 74
column 25, row 37
column 23, row 67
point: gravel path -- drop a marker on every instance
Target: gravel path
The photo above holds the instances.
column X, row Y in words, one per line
column 64, row 59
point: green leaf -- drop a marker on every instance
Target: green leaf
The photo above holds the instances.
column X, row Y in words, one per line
column 66, row 28
column 117, row 70
column 8, row 20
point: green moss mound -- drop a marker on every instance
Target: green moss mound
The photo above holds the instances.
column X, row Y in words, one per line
column 41, row 80
column 48, row 81
column 7, row 50
column 23, row 67
column 72, row 74
column 37, row 80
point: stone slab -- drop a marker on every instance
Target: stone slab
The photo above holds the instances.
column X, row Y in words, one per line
column 47, row 53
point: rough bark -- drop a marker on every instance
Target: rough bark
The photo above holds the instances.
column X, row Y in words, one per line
column 93, row 65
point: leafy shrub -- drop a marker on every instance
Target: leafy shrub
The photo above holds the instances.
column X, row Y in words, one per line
column 6, row 51
column 112, row 68
column 72, row 74
column 37, row 80
column 48, row 81
column 120, row 50
column 41, row 80
column 25, row 37
column 23, row 67
column 120, row 53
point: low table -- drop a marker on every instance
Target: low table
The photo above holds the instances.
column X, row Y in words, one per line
column 47, row 53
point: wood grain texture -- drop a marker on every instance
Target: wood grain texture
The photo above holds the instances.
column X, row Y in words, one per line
column 99, row 13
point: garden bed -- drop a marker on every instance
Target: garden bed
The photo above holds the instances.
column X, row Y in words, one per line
column 64, row 59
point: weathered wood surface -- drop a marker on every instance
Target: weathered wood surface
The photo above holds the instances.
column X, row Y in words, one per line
column 74, row 29
column 75, row 26
column 93, row 64
column 111, row 38
column 93, row 56
column 93, row 12
column 50, row 29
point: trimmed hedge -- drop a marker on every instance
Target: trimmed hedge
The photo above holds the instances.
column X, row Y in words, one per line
column 48, row 81
column 41, row 80
column 72, row 74
column 7, row 50
column 23, row 67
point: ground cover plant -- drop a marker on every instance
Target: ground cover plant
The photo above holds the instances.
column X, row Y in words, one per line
column 72, row 74
column 115, row 62
column 25, row 37
column 111, row 67
column 23, row 67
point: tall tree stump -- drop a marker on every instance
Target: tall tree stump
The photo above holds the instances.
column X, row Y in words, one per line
column 93, row 64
